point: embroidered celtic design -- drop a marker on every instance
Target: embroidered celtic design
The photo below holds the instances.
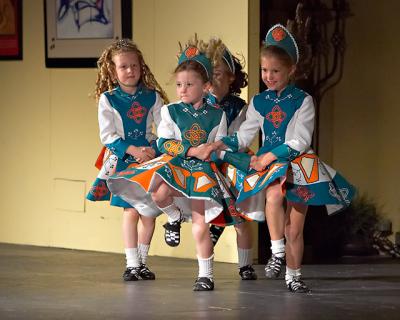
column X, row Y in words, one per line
column 135, row 134
column 192, row 165
column 136, row 112
column 173, row 147
column 276, row 116
column 99, row 191
column 304, row 193
column 195, row 135
column 168, row 171
column 274, row 138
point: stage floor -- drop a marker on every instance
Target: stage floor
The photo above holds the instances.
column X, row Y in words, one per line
column 51, row 283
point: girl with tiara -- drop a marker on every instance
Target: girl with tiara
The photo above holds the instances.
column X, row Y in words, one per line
column 228, row 80
column 285, row 176
column 183, row 183
column 129, row 101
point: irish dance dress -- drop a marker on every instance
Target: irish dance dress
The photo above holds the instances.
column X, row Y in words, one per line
column 124, row 120
column 286, row 123
column 181, row 127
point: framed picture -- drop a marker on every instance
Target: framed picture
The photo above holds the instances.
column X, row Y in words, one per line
column 10, row 29
column 77, row 31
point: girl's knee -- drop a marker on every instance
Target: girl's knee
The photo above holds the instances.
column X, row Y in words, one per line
column 131, row 214
column 274, row 196
column 200, row 230
column 131, row 211
column 159, row 195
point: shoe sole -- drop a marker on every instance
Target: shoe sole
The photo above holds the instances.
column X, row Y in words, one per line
column 129, row 280
column 273, row 277
column 147, row 278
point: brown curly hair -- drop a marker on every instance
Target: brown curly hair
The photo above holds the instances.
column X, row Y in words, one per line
column 105, row 67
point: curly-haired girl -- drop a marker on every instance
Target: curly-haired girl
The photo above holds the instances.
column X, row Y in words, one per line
column 129, row 101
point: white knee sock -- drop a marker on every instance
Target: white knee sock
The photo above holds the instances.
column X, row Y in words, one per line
column 172, row 212
column 291, row 273
column 132, row 257
column 278, row 248
column 245, row 257
column 143, row 250
column 206, row 267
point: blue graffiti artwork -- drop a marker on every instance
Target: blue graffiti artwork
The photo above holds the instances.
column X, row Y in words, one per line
column 84, row 19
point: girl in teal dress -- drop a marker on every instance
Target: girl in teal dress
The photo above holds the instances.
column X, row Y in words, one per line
column 183, row 182
column 286, row 176
column 129, row 102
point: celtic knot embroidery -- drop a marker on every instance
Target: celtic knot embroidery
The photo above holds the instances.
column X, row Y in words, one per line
column 195, row 135
column 173, row 147
column 99, row 191
column 276, row 116
column 304, row 193
column 136, row 112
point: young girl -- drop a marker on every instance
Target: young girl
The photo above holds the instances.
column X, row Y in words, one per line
column 228, row 80
column 183, row 183
column 285, row 169
column 130, row 100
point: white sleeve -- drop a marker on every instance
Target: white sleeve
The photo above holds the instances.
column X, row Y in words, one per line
column 153, row 117
column 110, row 122
column 219, row 131
column 167, row 128
column 249, row 128
column 300, row 128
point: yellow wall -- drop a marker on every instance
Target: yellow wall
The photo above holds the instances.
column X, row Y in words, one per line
column 49, row 134
column 365, row 116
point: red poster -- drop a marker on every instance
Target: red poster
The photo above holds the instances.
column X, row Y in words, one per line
column 11, row 29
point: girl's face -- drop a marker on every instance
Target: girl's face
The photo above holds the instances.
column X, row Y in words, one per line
column 190, row 87
column 222, row 79
column 127, row 71
column 275, row 74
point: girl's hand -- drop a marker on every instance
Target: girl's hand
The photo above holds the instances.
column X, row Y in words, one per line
column 202, row 152
column 255, row 163
column 218, row 145
column 141, row 154
column 149, row 151
column 261, row 162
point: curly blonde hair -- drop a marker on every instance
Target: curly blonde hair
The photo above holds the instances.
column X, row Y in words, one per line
column 215, row 49
column 106, row 67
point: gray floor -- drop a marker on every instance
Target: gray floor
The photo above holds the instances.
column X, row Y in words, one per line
column 49, row 283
